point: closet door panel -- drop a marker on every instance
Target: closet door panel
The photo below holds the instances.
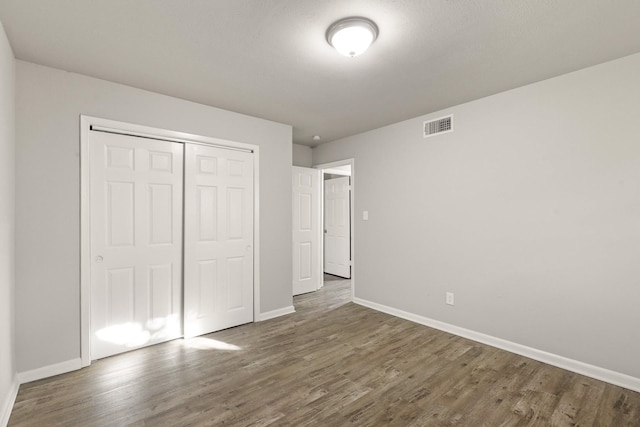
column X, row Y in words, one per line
column 218, row 251
column 136, row 242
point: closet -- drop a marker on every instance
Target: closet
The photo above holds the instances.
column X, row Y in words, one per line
column 171, row 239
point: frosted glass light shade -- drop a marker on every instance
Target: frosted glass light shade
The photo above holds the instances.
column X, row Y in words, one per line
column 352, row 36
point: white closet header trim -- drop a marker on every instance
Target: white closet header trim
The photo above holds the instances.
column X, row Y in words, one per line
column 164, row 138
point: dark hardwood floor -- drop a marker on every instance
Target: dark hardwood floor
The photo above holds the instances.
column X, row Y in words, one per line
column 332, row 363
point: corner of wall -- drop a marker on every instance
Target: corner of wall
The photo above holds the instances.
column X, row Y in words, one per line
column 302, row 156
column 8, row 378
column 6, row 406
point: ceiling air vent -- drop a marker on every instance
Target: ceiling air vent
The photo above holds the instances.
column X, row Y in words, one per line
column 438, row 126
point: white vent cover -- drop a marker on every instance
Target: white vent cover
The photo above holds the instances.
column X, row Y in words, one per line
column 438, row 126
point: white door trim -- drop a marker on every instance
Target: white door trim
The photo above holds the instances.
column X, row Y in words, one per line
column 352, row 163
column 85, row 208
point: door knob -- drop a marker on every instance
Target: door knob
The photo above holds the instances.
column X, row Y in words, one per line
column 99, row 258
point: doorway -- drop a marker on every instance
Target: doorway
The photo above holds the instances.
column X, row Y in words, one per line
column 337, row 217
column 169, row 237
column 338, row 199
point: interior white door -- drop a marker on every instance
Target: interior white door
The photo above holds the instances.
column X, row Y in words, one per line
column 307, row 271
column 136, row 242
column 218, row 244
column 337, row 230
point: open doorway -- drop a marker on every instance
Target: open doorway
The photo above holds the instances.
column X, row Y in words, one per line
column 338, row 194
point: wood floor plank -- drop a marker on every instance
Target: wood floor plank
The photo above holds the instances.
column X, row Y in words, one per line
column 618, row 407
column 579, row 402
column 332, row 363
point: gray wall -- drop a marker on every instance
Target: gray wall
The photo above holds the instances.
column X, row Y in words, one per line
column 48, row 107
column 302, row 156
column 529, row 212
column 7, row 245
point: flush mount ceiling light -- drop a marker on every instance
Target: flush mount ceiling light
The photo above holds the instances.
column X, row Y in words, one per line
column 352, row 36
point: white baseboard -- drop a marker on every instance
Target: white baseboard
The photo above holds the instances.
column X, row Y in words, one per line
column 50, row 371
column 8, row 401
column 602, row 374
column 276, row 313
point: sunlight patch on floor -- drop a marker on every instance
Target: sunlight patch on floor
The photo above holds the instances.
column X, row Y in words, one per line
column 202, row 343
column 133, row 334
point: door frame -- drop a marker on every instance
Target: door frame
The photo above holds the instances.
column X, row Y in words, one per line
column 351, row 162
column 86, row 123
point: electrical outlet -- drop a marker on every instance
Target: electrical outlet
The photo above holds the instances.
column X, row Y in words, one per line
column 449, row 298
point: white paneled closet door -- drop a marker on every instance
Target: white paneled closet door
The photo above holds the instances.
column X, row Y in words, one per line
column 136, row 242
column 218, row 241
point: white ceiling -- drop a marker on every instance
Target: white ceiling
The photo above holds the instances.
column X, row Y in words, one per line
column 270, row 59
